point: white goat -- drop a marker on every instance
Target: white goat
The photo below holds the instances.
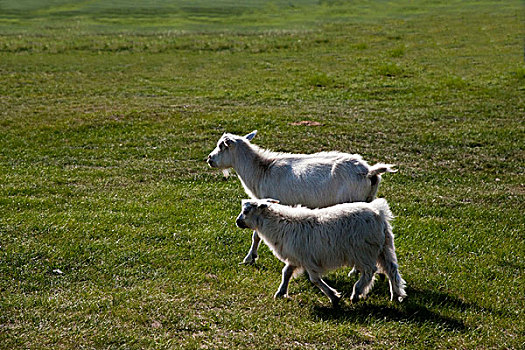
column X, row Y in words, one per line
column 313, row 180
column 319, row 240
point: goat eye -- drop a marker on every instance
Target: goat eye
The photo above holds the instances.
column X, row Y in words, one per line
column 222, row 145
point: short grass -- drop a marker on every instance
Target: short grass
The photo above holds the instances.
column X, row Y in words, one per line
column 114, row 233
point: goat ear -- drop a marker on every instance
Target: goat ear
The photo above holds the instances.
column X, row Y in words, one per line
column 228, row 142
column 251, row 135
column 263, row 206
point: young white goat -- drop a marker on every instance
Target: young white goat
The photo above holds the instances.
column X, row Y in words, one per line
column 313, row 180
column 319, row 240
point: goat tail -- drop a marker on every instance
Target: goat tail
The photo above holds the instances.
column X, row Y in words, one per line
column 374, row 175
column 387, row 260
column 380, row 168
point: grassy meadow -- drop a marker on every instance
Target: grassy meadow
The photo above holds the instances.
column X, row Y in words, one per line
column 115, row 234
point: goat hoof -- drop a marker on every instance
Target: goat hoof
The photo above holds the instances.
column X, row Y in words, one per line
column 280, row 295
column 335, row 302
column 249, row 260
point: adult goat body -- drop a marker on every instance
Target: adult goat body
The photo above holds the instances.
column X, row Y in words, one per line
column 315, row 180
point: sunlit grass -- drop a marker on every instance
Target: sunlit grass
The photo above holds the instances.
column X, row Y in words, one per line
column 114, row 233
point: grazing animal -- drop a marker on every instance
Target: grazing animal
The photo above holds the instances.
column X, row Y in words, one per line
column 315, row 180
column 319, row 240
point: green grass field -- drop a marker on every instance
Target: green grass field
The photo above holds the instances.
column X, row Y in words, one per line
column 114, row 233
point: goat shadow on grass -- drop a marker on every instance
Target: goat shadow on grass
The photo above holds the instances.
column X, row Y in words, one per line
column 412, row 310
